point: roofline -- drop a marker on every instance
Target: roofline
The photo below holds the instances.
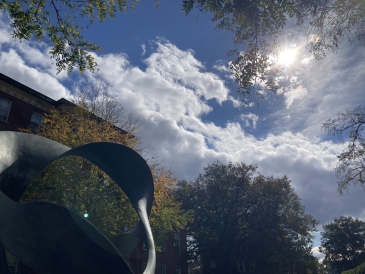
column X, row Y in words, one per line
column 34, row 92
column 57, row 103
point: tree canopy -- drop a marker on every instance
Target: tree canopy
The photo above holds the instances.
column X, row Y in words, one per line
column 258, row 25
column 255, row 24
column 58, row 23
column 79, row 185
column 349, row 126
column 343, row 243
column 242, row 219
column 357, row 270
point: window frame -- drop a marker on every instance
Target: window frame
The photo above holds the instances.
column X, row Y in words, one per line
column 10, row 105
column 177, row 269
column 163, row 267
column 35, row 123
column 177, row 248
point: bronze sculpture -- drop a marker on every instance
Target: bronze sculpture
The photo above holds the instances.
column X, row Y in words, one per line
column 53, row 239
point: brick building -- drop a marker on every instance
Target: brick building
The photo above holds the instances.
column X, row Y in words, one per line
column 23, row 107
column 171, row 260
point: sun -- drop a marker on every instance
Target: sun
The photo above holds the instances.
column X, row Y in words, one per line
column 287, row 57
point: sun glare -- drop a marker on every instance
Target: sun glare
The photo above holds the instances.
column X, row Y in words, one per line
column 287, row 56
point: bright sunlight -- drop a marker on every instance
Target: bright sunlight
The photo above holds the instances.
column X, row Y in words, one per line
column 287, row 56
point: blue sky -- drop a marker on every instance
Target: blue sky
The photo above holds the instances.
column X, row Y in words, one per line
column 172, row 72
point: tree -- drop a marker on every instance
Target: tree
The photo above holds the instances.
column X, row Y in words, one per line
column 255, row 24
column 258, row 24
column 241, row 218
column 343, row 243
column 57, row 23
column 351, row 167
column 357, row 270
column 84, row 188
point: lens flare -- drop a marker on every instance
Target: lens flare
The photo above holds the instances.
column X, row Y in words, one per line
column 287, row 56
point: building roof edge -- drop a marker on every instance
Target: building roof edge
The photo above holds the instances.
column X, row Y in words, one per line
column 33, row 92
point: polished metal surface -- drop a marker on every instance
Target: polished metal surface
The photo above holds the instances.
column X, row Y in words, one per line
column 53, row 239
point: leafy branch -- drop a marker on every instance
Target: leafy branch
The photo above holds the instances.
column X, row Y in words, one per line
column 50, row 21
column 351, row 167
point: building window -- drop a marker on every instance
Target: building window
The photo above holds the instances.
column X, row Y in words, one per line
column 163, row 269
column 35, row 120
column 143, row 267
column 240, row 266
column 144, row 246
column 5, row 106
column 177, row 242
column 213, row 267
column 177, row 270
column 163, row 246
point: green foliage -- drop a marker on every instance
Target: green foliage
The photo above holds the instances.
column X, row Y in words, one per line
column 357, row 270
column 254, row 24
column 330, row 21
column 240, row 216
column 343, row 242
column 56, row 23
column 81, row 186
column 258, row 24
column 351, row 167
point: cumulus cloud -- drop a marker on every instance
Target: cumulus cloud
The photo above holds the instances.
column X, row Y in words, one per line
column 223, row 67
column 14, row 66
column 250, row 119
column 5, row 36
column 316, row 253
column 181, row 67
column 29, row 63
column 171, row 96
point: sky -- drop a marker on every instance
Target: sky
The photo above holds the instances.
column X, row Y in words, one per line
column 171, row 70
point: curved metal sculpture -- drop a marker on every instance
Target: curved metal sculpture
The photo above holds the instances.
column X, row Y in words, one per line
column 53, row 239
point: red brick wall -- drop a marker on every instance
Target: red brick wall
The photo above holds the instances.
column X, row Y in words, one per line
column 19, row 115
column 168, row 258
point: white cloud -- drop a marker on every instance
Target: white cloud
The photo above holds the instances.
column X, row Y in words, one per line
column 29, row 63
column 181, row 67
column 294, row 94
column 219, row 65
column 5, row 36
column 143, row 49
column 250, row 118
column 12, row 65
column 224, row 68
column 171, row 97
column 319, row 89
column 317, row 254
column 237, row 103
column 167, row 99
column 307, row 60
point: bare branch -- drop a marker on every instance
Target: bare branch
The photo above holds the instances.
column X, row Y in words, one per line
column 351, row 167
